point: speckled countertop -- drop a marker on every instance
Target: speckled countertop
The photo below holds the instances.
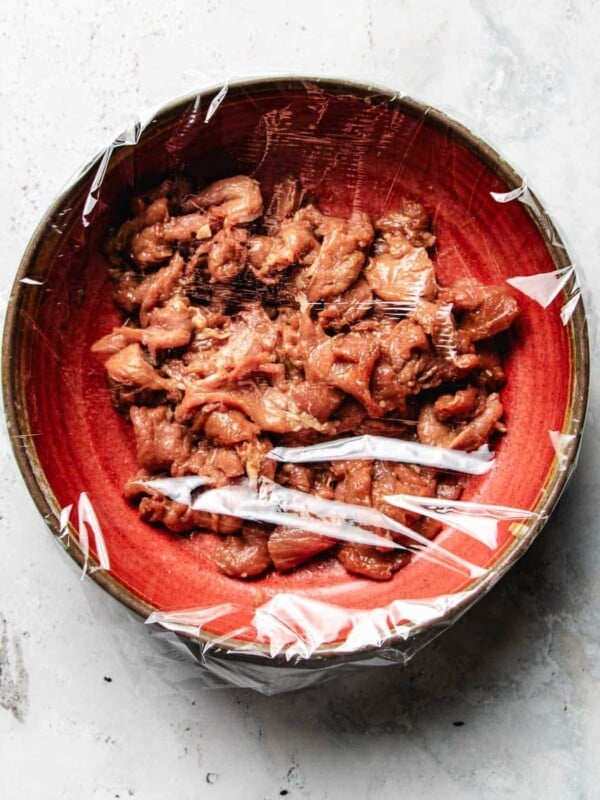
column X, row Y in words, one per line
column 507, row 703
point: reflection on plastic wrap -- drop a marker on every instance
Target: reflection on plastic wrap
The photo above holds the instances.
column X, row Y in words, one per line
column 563, row 444
column 130, row 136
column 178, row 489
column 525, row 196
column 544, row 287
column 215, row 103
column 274, row 504
column 478, row 520
column 31, row 282
column 87, row 524
column 298, row 627
column 357, row 448
column 63, row 524
column 508, row 197
column 295, row 626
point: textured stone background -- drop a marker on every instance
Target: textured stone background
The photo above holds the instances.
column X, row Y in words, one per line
column 507, row 703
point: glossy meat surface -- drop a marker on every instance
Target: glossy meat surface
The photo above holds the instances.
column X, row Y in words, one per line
column 257, row 322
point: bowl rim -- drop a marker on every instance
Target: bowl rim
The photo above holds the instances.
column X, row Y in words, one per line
column 40, row 489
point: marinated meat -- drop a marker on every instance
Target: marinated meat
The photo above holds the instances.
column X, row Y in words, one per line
column 341, row 255
column 349, row 307
column 296, row 477
column 297, row 336
column 483, row 421
column 290, row 547
column 403, row 279
column 354, row 485
column 253, row 455
column 231, row 201
column 285, row 200
column 410, row 221
column 125, row 293
column 346, row 362
column 268, row 407
column 430, row 430
column 219, row 465
column 245, row 556
column 390, row 479
column 489, row 374
column 464, row 295
column 227, row 427
column 407, row 338
column 245, row 347
column 494, row 314
column 388, row 392
column 159, row 287
column 129, row 368
column 393, row 427
column 160, row 441
column 180, row 518
column 458, row 406
column 349, row 416
column 225, row 254
column 369, row 562
column 293, row 243
column 478, row 431
column 169, row 326
column 246, row 331
column 157, row 242
column 317, row 399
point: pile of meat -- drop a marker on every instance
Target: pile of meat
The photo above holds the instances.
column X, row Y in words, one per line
column 251, row 327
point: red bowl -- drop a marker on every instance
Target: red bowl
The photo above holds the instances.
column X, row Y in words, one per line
column 351, row 146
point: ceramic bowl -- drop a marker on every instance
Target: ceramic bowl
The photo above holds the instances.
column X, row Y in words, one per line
column 352, row 146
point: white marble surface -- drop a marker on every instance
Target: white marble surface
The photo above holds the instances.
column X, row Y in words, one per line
column 521, row 670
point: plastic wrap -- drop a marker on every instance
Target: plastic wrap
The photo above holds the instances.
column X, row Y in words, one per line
column 352, row 149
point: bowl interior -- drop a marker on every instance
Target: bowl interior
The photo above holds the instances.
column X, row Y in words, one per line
column 353, row 148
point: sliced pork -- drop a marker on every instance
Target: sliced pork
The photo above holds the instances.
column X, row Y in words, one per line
column 258, row 323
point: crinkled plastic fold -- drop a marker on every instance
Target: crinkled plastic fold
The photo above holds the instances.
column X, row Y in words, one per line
column 287, row 637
